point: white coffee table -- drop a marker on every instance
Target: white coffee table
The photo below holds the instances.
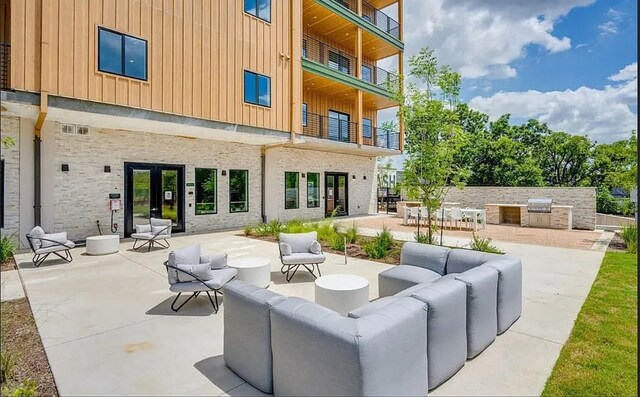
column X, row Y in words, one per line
column 256, row 271
column 342, row 292
column 103, row 245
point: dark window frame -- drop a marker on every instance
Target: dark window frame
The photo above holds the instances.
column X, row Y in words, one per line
column 343, row 62
column 304, row 114
column 246, row 192
column 123, row 55
column 215, row 194
column 257, row 14
column 318, row 182
column 257, row 87
column 297, row 190
column 364, row 128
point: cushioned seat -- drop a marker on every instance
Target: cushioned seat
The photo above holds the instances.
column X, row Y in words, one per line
column 218, row 279
column 148, row 236
column 156, row 232
column 68, row 245
column 303, row 257
column 247, row 332
column 44, row 244
column 300, row 249
column 401, row 277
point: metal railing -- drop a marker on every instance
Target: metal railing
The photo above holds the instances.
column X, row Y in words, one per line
column 5, row 64
column 380, row 137
column 325, row 127
column 318, row 51
column 380, row 77
column 349, row 4
column 381, row 20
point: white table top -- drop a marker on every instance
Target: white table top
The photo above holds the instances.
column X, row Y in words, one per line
column 249, row 262
column 342, row 282
column 104, row 237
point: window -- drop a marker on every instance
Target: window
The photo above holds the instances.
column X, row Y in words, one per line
column 304, row 114
column 258, row 8
column 339, row 62
column 304, row 48
column 206, row 191
column 367, row 128
column 257, row 89
column 339, row 127
column 291, row 190
column 122, row 54
column 238, row 191
column 366, row 73
column 313, row 190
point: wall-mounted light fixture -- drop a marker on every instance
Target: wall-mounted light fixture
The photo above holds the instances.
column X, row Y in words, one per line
column 364, row 177
column 303, row 174
column 107, row 168
column 353, row 177
column 65, row 167
column 224, row 172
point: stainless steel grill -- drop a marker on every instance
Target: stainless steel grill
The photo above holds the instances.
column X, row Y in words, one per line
column 539, row 205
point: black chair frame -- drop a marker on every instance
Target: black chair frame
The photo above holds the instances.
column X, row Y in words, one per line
column 286, row 268
column 152, row 241
column 216, row 291
column 38, row 259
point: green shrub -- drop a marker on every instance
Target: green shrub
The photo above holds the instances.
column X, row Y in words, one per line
column 380, row 246
column 352, row 234
column 27, row 388
column 630, row 236
column 297, row 226
column 627, row 207
column 7, row 247
column 484, row 245
column 261, row 229
column 6, row 366
column 326, row 231
column 248, row 230
column 423, row 238
column 337, row 243
column 373, row 250
column 606, row 203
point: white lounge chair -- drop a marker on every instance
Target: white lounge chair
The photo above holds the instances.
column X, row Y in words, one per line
column 43, row 244
column 158, row 231
column 300, row 249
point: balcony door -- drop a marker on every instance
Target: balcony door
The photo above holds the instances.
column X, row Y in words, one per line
column 338, row 126
column 336, row 193
column 153, row 191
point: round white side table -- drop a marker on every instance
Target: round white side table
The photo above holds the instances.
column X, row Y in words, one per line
column 342, row 292
column 103, row 245
column 256, row 271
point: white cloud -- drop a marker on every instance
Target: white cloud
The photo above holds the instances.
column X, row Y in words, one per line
column 603, row 114
column 484, row 38
column 611, row 25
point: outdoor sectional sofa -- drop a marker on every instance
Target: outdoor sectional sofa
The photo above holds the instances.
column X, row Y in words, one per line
column 437, row 309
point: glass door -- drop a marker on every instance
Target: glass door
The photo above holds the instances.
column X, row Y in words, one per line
column 336, row 194
column 153, row 191
column 338, row 126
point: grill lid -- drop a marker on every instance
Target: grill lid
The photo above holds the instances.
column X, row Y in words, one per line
column 539, row 204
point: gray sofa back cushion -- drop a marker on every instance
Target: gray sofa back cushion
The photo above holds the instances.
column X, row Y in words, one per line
column 509, row 290
column 299, row 242
column 461, row 260
column 318, row 352
column 247, row 332
column 428, row 256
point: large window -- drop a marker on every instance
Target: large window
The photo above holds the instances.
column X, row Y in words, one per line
column 367, row 73
column 122, row 54
column 367, row 128
column 291, row 190
column 257, row 89
column 238, row 190
column 304, row 114
column 313, row 190
column 339, row 62
column 258, row 8
column 206, row 191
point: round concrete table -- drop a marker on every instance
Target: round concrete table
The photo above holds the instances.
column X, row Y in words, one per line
column 256, row 271
column 342, row 292
column 103, row 245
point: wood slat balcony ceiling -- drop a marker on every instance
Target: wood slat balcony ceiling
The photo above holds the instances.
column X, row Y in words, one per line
column 380, row 4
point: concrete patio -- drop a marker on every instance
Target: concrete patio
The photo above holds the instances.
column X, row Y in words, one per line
column 107, row 326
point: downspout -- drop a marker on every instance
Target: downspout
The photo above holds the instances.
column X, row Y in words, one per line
column 263, row 153
column 44, row 100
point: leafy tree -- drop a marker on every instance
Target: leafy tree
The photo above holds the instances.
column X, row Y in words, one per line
column 565, row 159
column 615, row 164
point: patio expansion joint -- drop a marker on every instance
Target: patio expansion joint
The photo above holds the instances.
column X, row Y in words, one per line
column 537, row 337
column 142, row 265
column 233, row 388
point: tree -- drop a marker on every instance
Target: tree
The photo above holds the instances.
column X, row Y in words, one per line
column 433, row 134
column 615, row 164
column 565, row 159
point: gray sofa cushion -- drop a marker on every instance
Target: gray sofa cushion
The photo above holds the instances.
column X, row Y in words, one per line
column 446, row 327
column 401, row 277
column 482, row 319
column 303, row 258
column 285, row 249
column 318, row 352
column 299, row 242
column 184, row 256
column 509, row 290
column 428, row 256
column 144, row 228
column 247, row 332
column 461, row 260
column 201, row 271
column 36, row 234
column 54, row 239
column 158, row 224
column 372, row 307
column 217, row 260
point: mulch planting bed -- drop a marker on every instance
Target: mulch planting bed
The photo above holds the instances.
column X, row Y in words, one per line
column 617, row 244
column 9, row 264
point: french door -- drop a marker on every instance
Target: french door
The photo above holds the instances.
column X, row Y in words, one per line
column 153, row 191
column 338, row 126
column 336, row 194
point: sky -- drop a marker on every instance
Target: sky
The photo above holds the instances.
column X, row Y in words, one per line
column 569, row 63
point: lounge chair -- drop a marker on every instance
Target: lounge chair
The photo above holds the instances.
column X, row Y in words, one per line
column 157, row 232
column 43, row 244
column 300, row 249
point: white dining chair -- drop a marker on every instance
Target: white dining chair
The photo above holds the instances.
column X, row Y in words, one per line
column 413, row 214
column 456, row 216
column 442, row 216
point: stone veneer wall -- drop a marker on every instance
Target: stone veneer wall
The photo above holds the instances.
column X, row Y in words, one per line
column 583, row 199
column 362, row 193
column 10, row 127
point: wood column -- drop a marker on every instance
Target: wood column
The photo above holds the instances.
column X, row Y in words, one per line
column 295, row 63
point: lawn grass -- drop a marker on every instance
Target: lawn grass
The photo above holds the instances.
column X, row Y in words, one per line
column 600, row 357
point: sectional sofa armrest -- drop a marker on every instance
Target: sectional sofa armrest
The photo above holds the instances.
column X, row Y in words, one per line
column 509, row 298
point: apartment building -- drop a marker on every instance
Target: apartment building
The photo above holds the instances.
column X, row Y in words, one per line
column 215, row 114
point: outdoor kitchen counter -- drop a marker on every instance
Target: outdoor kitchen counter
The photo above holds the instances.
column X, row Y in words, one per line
column 560, row 217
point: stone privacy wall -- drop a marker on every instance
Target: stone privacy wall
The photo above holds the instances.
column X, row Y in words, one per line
column 81, row 194
column 10, row 127
column 582, row 199
column 362, row 199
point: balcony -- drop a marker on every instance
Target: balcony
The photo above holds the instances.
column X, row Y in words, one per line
column 324, row 127
column 374, row 16
column 380, row 137
column 343, row 62
column 5, row 62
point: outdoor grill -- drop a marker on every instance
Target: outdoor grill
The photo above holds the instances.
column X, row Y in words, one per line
column 539, row 205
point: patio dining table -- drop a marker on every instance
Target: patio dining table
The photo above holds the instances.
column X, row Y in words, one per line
column 478, row 216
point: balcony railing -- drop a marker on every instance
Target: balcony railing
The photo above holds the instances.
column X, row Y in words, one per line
column 325, row 127
column 380, row 77
column 5, row 62
column 327, row 55
column 380, row 137
column 374, row 16
column 381, row 20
